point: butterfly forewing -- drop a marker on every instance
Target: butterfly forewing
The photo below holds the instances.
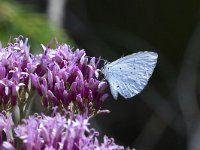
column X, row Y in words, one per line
column 129, row 75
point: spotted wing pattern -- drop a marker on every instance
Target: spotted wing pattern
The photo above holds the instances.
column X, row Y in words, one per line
column 130, row 74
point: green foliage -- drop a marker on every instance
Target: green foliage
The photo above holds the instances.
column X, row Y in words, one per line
column 17, row 19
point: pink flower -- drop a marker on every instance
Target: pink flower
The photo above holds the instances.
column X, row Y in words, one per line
column 57, row 133
column 16, row 63
column 66, row 78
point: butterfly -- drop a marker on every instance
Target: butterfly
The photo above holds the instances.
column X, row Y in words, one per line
column 130, row 74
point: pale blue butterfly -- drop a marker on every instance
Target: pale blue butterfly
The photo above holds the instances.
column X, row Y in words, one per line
column 130, row 74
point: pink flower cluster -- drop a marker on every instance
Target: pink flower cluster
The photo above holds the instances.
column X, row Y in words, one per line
column 61, row 76
column 16, row 64
column 54, row 133
column 66, row 78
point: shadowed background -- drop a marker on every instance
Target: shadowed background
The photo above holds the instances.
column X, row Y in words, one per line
column 165, row 115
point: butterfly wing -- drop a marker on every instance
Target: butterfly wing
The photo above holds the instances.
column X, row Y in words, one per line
column 129, row 75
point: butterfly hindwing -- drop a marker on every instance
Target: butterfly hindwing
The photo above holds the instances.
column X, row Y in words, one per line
column 130, row 74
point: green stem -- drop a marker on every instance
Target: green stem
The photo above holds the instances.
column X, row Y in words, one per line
column 29, row 103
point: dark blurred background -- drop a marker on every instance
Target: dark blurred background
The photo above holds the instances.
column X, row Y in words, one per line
column 165, row 115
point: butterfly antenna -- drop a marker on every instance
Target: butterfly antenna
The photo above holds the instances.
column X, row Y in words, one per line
column 99, row 59
column 105, row 62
